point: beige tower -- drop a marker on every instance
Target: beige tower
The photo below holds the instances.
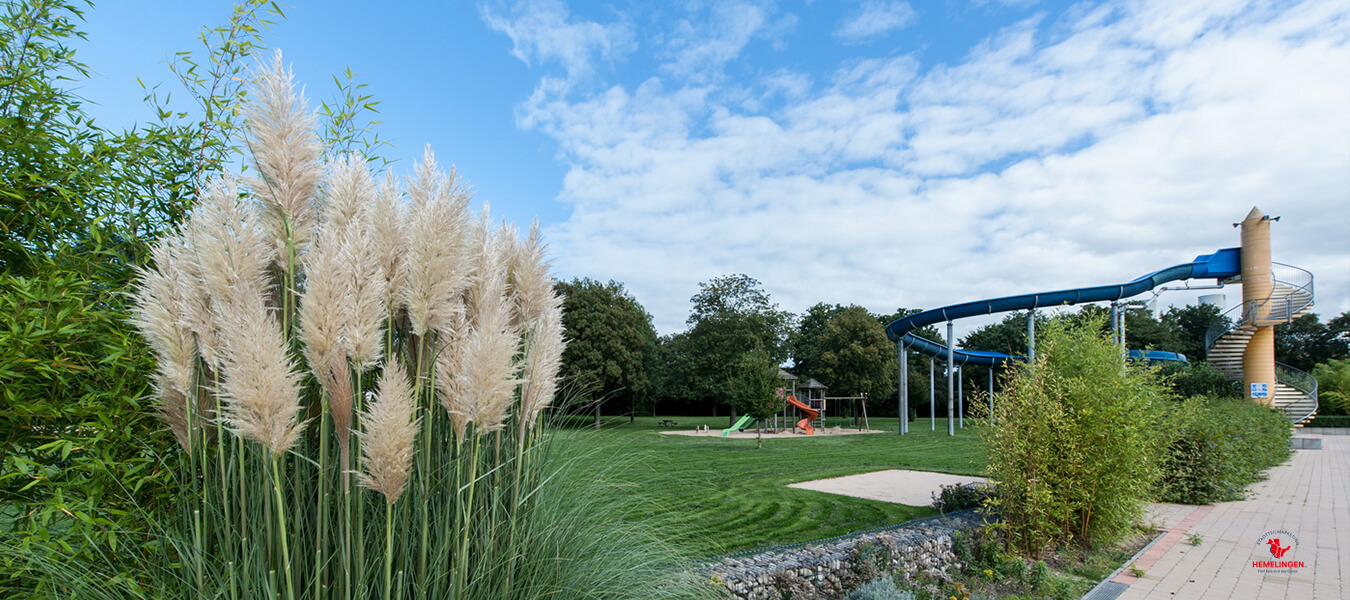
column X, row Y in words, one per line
column 1258, row 282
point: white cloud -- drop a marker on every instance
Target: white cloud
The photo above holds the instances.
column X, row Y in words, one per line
column 704, row 41
column 874, row 18
column 1055, row 155
column 545, row 31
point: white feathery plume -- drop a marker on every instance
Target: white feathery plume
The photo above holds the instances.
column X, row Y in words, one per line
column 286, row 149
column 387, row 229
column 449, row 356
column 231, row 249
column 390, row 426
column 488, row 370
column 433, row 269
column 543, row 359
column 321, row 304
column 363, row 312
column 348, row 190
column 261, row 386
column 201, row 319
column 531, row 284
column 161, row 303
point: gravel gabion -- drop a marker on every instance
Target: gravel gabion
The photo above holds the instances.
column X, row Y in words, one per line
column 824, row 570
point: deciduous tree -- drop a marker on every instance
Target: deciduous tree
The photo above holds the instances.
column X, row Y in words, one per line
column 611, row 343
column 731, row 315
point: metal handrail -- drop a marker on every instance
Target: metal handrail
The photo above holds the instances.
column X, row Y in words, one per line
column 1291, row 292
column 1303, row 382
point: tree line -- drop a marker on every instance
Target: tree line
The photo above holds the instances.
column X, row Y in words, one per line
column 615, row 361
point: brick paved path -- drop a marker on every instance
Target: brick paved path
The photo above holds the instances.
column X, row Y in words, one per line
column 1309, row 496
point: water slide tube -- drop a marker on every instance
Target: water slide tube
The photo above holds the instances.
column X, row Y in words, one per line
column 1221, row 265
column 811, row 414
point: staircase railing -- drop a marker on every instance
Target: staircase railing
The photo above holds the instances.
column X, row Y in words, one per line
column 1295, row 293
column 1302, row 381
column 1291, row 293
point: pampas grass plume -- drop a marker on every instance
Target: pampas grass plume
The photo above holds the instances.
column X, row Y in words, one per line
column 390, row 428
column 286, row 151
column 434, row 272
column 162, row 297
column 261, row 386
column 232, row 251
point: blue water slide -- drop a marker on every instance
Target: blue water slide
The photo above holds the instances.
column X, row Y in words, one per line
column 1220, row 265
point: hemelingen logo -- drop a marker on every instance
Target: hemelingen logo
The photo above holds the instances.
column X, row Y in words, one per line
column 1280, row 544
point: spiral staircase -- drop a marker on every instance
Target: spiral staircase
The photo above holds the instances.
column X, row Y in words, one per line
column 1291, row 296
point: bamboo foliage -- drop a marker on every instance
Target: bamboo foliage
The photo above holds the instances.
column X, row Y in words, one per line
column 326, row 325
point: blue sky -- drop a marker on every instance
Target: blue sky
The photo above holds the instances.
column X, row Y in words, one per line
column 873, row 152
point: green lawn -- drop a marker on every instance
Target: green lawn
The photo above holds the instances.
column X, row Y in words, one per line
column 713, row 495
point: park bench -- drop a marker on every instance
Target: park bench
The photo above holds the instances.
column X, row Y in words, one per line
column 668, row 423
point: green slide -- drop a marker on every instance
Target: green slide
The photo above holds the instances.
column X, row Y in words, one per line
column 745, row 421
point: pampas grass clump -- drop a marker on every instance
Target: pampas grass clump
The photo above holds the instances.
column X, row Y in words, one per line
column 312, row 324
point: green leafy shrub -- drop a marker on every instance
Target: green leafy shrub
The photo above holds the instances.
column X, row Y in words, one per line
column 1333, row 387
column 1076, row 442
column 1200, row 379
column 1219, row 446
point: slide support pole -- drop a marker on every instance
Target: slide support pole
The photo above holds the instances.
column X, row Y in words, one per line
column 1031, row 336
column 951, row 384
column 902, row 357
column 960, row 398
column 991, row 394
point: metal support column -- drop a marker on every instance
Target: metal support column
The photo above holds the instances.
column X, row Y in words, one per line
column 991, row 394
column 951, row 385
column 902, row 357
column 1031, row 335
column 960, row 398
column 1115, row 323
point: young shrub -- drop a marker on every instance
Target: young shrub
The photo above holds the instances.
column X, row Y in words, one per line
column 951, row 498
column 1219, row 446
column 1076, row 443
column 754, row 378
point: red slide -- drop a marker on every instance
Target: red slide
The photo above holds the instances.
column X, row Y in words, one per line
column 811, row 414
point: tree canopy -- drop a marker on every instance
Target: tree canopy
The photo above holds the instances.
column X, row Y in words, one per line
column 855, row 356
column 731, row 315
column 611, row 341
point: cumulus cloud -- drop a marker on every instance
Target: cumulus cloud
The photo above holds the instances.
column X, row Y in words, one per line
column 874, row 18
column 1090, row 149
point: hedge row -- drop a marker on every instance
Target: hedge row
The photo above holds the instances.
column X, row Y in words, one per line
column 1219, row 446
column 1329, row 421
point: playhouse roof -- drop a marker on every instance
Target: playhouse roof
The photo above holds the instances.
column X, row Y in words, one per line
column 812, row 384
column 785, row 375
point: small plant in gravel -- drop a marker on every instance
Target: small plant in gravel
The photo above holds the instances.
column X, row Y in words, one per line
column 962, row 496
column 879, row 589
column 1194, row 539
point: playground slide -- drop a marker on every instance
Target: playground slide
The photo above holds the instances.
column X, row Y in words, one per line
column 744, row 422
column 811, row 414
column 1221, row 265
